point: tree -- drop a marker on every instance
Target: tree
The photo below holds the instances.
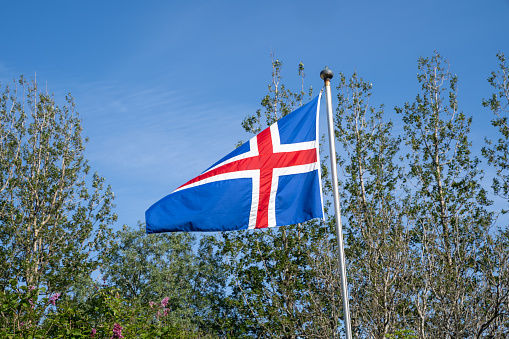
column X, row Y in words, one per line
column 377, row 235
column 106, row 314
column 495, row 265
column 498, row 154
column 148, row 268
column 53, row 215
column 452, row 234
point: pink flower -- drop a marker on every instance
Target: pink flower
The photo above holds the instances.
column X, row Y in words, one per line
column 93, row 332
column 151, row 303
column 117, row 331
column 31, row 302
column 54, row 298
column 164, row 302
column 31, row 287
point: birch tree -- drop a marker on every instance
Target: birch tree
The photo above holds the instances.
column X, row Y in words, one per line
column 495, row 264
column 377, row 233
column 53, row 211
column 449, row 208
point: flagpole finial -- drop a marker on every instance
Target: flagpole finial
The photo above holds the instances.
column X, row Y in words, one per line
column 326, row 74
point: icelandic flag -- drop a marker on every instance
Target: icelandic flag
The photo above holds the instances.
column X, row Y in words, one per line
column 272, row 180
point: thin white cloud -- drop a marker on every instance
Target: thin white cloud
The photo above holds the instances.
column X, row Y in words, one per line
column 147, row 142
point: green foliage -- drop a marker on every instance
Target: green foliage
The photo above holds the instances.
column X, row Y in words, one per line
column 497, row 152
column 284, row 281
column 402, row 334
column 377, row 237
column 445, row 173
column 25, row 315
column 50, row 215
column 146, row 267
column 453, row 240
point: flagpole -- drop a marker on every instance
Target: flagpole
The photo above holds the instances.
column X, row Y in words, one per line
column 326, row 74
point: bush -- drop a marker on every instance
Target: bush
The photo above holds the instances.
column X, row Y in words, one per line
column 105, row 314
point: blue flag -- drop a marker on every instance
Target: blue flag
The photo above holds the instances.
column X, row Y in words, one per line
column 272, row 180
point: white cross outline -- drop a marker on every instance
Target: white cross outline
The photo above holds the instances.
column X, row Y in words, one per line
column 254, row 175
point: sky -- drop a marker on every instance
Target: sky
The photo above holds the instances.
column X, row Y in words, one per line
column 163, row 86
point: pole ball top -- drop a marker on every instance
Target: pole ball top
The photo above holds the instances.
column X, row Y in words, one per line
column 326, row 73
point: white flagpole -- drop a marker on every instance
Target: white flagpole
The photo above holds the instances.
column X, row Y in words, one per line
column 326, row 74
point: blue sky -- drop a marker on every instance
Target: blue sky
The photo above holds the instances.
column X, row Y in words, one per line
column 163, row 86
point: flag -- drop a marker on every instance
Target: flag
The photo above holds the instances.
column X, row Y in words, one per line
column 272, row 180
